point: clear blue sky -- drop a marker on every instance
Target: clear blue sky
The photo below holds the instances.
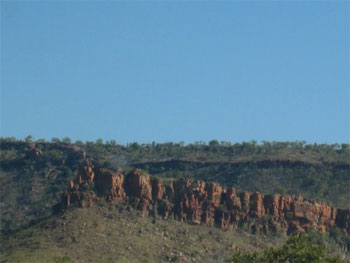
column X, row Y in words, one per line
column 185, row 71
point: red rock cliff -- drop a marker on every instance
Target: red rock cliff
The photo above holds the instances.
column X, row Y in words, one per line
column 204, row 203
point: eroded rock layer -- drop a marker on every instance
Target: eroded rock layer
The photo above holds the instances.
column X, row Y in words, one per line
column 204, row 203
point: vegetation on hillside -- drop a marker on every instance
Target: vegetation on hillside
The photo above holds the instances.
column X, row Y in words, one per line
column 34, row 174
column 109, row 233
column 298, row 249
column 200, row 151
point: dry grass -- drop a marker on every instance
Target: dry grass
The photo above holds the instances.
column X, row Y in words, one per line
column 111, row 234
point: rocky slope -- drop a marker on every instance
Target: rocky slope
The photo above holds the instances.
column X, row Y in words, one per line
column 34, row 175
column 203, row 203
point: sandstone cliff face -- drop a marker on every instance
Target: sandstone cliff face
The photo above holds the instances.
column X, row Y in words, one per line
column 205, row 203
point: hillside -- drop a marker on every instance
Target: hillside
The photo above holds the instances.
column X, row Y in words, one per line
column 120, row 234
column 34, row 174
column 203, row 203
column 64, row 202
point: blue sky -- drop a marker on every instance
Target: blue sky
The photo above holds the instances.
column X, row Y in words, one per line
column 184, row 71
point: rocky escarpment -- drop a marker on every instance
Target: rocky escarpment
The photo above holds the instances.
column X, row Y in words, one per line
column 204, row 203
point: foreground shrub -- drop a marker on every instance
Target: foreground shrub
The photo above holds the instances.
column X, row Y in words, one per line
column 298, row 249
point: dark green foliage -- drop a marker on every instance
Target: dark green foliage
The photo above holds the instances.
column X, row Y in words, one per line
column 316, row 237
column 265, row 218
column 9, row 155
column 340, row 238
column 214, row 143
column 280, row 190
column 55, row 156
column 222, row 208
column 67, row 172
column 246, row 208
column 67, row 140
column 63, row 259
column 289, row 215
column 88, row 187
column 29, row 139
column 56, row 140
column 298, row 249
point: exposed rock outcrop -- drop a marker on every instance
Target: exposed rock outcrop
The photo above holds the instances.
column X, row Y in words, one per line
column 204, row 203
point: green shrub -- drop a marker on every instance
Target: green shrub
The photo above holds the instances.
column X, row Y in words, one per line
column 222, row 208
column 246, row 208
column 289, row 215
column 63, row 259
column 88, row 187
column 265, row 218
column 280, row 190
column 298, row 249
